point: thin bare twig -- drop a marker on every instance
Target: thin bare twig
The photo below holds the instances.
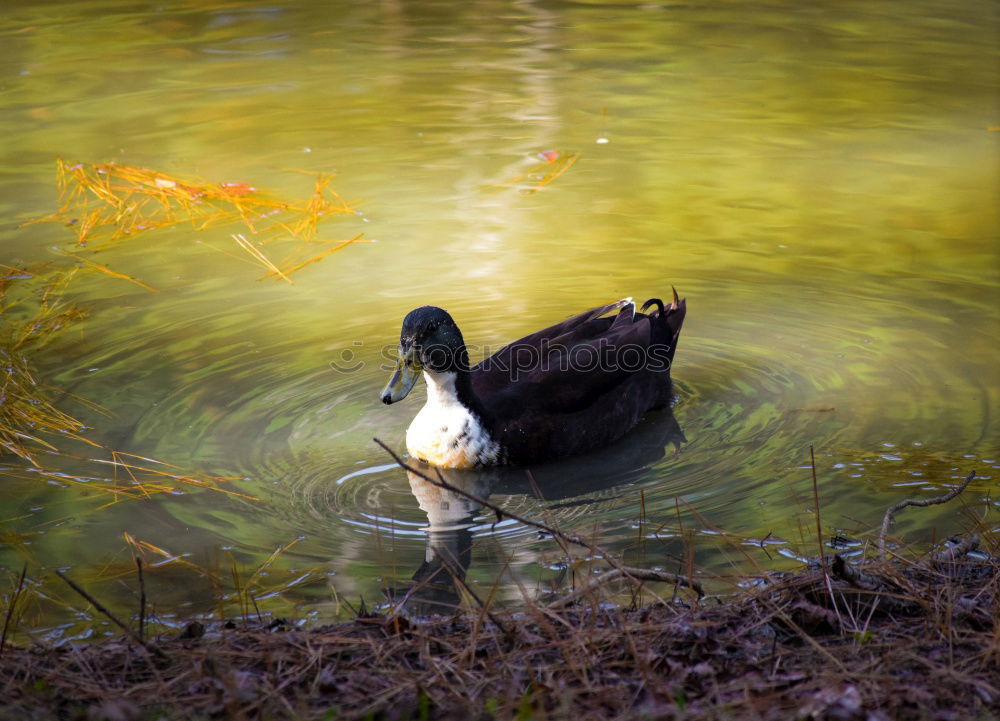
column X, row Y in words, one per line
column 10, row 608
column 957, row 550
column 819, row 525
column 142, row 600
column 640, row 574
column 920, row 502
column 855, row 576
column 117, row 621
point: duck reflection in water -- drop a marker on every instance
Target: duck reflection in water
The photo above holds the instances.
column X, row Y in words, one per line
column 438, row 583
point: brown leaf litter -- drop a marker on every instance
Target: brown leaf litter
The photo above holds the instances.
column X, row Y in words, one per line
column 867, row 642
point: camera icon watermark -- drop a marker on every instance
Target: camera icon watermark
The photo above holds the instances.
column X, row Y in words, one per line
column 348, row 360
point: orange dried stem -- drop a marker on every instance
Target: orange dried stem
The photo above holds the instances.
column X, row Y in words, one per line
column 105, row 269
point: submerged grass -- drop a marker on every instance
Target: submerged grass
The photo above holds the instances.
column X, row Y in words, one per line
column 38, row 432
column 108, row 203
column 30, row 314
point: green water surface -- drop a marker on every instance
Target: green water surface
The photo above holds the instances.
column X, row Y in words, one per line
column 819, row 180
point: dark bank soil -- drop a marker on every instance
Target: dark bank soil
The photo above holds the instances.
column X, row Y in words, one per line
column 879, row 641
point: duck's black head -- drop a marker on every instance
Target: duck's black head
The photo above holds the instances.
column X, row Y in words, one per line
column 429, row 340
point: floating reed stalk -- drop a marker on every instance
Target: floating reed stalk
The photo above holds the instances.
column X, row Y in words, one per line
column 555, row 163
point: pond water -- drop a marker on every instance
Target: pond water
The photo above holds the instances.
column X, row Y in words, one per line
column 819, row 182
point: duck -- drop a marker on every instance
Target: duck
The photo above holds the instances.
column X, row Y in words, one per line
column 573, row 387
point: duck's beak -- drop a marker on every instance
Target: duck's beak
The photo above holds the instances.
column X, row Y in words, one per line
column 403, row 380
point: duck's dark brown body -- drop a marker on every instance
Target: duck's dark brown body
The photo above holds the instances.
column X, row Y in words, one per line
column 578, row 385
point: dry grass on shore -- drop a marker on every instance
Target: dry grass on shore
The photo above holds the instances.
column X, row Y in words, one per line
column 880, row 640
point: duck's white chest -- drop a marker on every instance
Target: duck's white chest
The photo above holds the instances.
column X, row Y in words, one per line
column 445, row 433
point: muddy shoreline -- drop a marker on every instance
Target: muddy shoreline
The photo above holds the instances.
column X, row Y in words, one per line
column 876, row 640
